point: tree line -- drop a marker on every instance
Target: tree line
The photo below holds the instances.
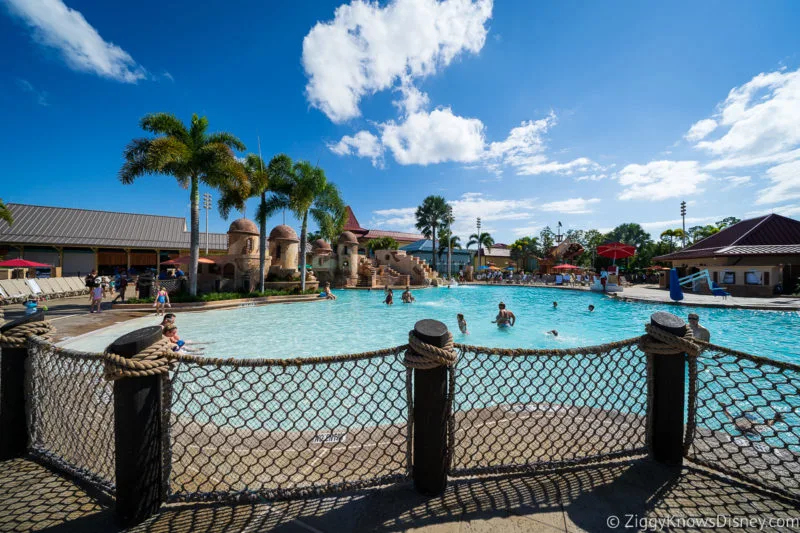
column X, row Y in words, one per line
column 193, row 156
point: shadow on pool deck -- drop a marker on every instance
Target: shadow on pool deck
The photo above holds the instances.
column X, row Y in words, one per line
column 35, row 499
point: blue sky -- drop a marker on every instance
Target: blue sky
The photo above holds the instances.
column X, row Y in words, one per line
column 523, row 113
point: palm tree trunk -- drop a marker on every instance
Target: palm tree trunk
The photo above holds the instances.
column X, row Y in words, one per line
column 449, row 256
column 194, row 240
column 303, row 237
column 262, row 244
column 433, row 255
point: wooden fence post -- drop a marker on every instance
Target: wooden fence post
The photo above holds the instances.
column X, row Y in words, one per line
column 137, row 434
column 430, row 416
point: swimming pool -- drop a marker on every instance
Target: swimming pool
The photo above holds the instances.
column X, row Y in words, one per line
column 359, row 321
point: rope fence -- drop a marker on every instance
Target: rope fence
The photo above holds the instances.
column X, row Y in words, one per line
column 253, row 429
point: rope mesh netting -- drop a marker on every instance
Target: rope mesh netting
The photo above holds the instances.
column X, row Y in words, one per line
column 71, row 412
column 743, row 417
column 275, row 429
column 522, row 409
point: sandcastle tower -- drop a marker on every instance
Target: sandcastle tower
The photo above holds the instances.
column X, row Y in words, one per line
column 283, row 249
column 347, row 255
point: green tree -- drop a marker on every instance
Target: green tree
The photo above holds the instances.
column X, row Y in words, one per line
column 192, row 156
column 706, row 231
column 629, row 233
column 382, row 243
column 431, row 215
column 592, row 239
column 5, row 213
column 448, row 242
column 670, row 235
column 727, row 222
column 547, row 239
column 523, row 249
column 305, row 190
column 484, row 240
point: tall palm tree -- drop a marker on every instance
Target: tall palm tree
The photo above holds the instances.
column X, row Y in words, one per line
column 5, row 213
column 432, row 214
column 192, row 156
column 669, row 235
column 448, row 242
column 483, row 240
column 382, row 243
column 305, row 190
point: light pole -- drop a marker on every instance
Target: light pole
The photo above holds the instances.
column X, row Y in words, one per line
column 480, row 248
column 207, row 205
column 449, row 242
column 683, row 216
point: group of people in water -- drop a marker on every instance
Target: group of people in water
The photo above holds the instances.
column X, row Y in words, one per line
column 170, row 332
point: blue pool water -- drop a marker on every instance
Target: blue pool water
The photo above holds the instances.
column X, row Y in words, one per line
column 359, row 321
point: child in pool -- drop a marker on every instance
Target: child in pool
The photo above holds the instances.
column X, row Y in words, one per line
column 462, row 324
column 171, row 333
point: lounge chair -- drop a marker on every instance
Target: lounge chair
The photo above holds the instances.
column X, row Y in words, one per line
column 35, row 288
column 49, row 288
column 716, row 290
column 20, row 287
column 67, row 286
column 78, row 285
column 9, row 297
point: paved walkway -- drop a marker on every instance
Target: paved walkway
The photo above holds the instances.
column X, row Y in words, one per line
column 584, row 499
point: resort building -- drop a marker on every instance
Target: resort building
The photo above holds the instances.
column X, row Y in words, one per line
column 498, row 255
column 363, row 235
column 75, row 241
column 423, row 249
column 755, row 257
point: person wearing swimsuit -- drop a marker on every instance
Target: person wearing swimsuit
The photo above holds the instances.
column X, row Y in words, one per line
column 162, row 301
column 505, row 318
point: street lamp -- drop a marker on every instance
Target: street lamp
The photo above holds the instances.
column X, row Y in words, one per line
column 207, row 205
column 683, row 216
column 480, row 248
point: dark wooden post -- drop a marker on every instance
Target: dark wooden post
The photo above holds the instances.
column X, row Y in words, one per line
column 668, row 382
column 13, row 420
column 137, row 434
column 430, row 416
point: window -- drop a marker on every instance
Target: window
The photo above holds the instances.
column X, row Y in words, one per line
column 729, row 277
column 278, row 251
column 766, row 278
column 320, row 261
column 752, row 277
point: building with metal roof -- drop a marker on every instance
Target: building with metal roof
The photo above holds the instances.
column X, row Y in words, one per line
column 364, row 234
column 423, row 248
column 75, row 241
column 755, row 257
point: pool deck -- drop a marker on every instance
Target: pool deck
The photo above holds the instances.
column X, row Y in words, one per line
column 654, row 294
column 579, row 499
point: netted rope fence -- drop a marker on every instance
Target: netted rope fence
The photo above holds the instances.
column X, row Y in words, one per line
column 248, row 429
column 743, row 417
column 528, row 409
column 71, row 412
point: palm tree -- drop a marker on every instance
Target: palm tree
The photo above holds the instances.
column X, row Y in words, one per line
column 382, row 243
column 5, row 213
column 191, row 155
column 484, row 240
column 668, row 234
column 432, row 214
column 448, row 242
column 305, row 190
column 523, row 249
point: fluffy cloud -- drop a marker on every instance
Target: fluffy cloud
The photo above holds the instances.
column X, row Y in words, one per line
column 466, row 210
column 700, row 130
column 367, row 48
column 362, row 144
column 60, row 27
column 659, row 180
column 592, row 177
column 784, row 184
column 425, row 138
column 761, row 118
column 571, row 206
column 736, row 181
column 524, row 150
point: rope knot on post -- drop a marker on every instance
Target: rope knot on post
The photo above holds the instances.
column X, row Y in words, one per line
column 423, row 356
column 17, row 336
column 658, row 341
column 151, row 361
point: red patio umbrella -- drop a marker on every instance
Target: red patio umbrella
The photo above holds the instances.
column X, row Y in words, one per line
column 185, row 260
column 22, row 263
column 566, row 267
column 616, row 250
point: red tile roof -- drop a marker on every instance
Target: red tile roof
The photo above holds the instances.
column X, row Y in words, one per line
column 396, row 235
column 352, row 223
column 768, row 235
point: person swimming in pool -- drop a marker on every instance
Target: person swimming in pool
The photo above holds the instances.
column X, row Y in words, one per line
column 389, row 296
column 462, row 324
column 327, row 292
column 591, row 308
column 555, row 305
column 553, row 332
column 505, row 318
column 407, row 297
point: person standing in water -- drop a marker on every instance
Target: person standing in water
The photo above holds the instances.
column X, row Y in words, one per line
column 505, row 318
column 462, row 324
column 389, row 297
column 698, row 331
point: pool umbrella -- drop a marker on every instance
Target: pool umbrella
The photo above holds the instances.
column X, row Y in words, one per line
column 566, row 266
column 22, row 263
column 509, row 268
column 185, row 260
column 483, row 267
column 616, row 250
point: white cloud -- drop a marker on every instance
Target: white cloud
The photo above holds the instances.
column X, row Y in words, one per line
column 761, row 118
column 659, row 180
column 785, row 184
column 592, row 177
column 571, row 206
column 367, row 48
column 495, row 215
column 412, row 100
column 362, row 144
column 676, row 222
column 435, row 137
column 736, row 181
column 785, row 210
column 26, row 86
column 524, row 149
column 60, row 27
column 700, row 130
column 522, row 231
